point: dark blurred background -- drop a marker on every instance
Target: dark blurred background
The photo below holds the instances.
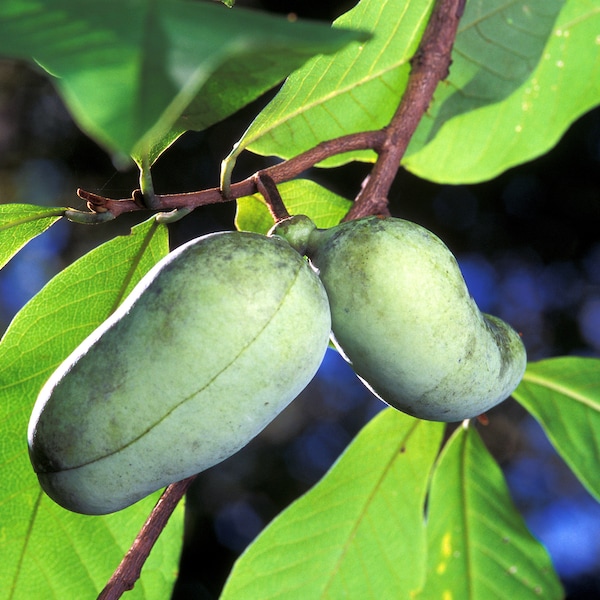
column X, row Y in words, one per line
column 527, row 242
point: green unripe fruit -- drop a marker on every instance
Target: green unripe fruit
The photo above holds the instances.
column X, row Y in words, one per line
column 209, row 347
column 403, row 317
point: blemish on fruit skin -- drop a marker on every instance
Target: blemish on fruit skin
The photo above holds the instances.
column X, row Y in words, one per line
column 447, row 595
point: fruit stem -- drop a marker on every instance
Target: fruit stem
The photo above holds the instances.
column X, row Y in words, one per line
column 268, row 189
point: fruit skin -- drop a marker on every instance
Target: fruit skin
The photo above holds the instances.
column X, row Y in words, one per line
column 403, row 317
column 209, row 347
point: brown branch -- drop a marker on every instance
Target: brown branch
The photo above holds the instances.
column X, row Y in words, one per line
column 430, row 65
column 128, row 572
column 284, row 171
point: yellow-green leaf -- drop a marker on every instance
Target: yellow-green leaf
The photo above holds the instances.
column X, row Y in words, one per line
column 48, row 552
column 478, row 544
column 563, row 394
column 359, row 533
column 20, row 223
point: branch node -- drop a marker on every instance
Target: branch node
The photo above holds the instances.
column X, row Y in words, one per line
column 93, row 201
column 138, row 198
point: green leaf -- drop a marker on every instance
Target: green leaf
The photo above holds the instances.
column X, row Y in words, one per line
column 478, row 544
column 301, row 197
column 129, row 69
column 359, row 533
column 482, row 124
column 356, row 90
column 69, row 557
column 563, row 394
column 20, row 223
column 48, row 552
column 514, row 64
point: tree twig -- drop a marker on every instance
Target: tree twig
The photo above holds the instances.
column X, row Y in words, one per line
column 430, row 65
column 284, row 171
column 128, row 571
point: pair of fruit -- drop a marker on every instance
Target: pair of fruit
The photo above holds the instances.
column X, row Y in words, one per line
column 224, row 332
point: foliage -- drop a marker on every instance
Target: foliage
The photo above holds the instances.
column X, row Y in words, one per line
column 508, row 74
column 338, row 538
column 391, row 516
column 136, row 76
column 44, row 332
column 562, row 394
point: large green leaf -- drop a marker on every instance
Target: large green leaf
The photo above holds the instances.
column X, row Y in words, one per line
column 356, row 90
column 301, row 197
column 48, row 552
column 128, row 69
column 563, row 394
column 359, row 533
column 514, row 64
column 20, row 223
column 472, row 131
column 478, row 544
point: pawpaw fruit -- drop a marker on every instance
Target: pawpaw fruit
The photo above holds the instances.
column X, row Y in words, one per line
column 209, row 347
column 403, row 317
